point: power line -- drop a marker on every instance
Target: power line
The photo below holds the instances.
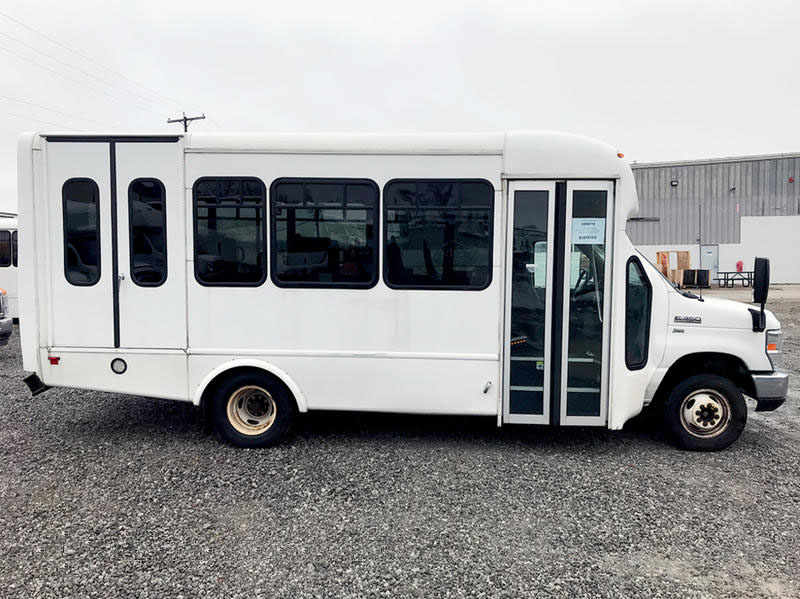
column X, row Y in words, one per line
column 28, row 118
column 110, row 70
column 102, row 124
column 99, row 91
column 88, row 74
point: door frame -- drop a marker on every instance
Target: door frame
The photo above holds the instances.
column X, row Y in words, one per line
column 513, row 187
column 559, row 404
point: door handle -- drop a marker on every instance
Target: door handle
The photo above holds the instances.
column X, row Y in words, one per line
column 120, row 278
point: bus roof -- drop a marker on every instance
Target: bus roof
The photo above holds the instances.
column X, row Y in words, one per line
column 525, row 154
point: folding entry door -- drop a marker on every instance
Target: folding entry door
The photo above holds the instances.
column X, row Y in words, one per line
column 557, row 302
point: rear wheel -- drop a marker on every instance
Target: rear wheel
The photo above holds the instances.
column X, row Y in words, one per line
column 706, row 413
column 253, row 409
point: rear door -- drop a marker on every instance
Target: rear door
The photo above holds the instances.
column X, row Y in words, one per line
column 151, row 245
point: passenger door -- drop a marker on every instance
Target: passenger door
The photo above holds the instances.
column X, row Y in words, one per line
column 151, row 245
column 557, row 309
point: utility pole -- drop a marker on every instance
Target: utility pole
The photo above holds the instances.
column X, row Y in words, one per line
column 186, row 120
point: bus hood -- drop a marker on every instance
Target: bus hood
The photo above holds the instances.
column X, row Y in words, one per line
column 714, row 312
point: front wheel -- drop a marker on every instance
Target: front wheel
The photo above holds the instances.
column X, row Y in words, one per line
column 253, row 410
column 706, row 413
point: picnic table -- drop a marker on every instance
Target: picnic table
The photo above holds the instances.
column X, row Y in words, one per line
column 728, row 278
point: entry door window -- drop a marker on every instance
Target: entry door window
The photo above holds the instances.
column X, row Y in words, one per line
column 529, row 303
column 586, row 272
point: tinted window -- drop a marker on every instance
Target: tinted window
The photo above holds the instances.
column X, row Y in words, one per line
column 81, row 199
column 438, row 233
column 324, row 233
column 230, row 233
column 148, row 232
column 638, row 298
column 14, row 248
column 5, row 248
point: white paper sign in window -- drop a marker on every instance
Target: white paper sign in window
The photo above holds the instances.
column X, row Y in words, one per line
column 588, row 231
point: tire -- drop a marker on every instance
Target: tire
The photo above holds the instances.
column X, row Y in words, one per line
column 253, row 409
column 705, row 412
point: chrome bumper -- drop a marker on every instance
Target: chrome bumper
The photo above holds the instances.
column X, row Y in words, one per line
column 6, row 327
column 771, row 390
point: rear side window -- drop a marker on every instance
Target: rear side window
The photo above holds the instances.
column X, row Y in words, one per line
column 81, row 207
column 638, row 299
column 230, row 231
column 438, row 233
column 14, row 255
column 5, row 248
column 148, row 232
column 324, row 232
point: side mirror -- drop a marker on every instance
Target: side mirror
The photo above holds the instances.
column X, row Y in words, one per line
column 761, row 280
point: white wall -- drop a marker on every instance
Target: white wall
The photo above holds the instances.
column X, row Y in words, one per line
column 773, row 237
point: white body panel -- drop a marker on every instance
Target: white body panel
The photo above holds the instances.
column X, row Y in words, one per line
column 379, row 349
column 8, row 274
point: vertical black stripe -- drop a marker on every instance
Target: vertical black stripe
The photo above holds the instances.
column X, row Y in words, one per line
column 558, row 342
column 114, row 247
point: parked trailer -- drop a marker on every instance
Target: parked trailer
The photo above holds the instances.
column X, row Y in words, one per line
column 263, row 275
column 8, row 261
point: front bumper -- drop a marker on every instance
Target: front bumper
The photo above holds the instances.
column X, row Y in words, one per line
column 6, row 327
column 771, row 390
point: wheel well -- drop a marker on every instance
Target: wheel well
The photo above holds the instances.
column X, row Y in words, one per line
column 214, row 384
column 725, row 365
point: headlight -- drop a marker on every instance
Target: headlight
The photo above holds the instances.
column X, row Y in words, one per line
column 775, row 348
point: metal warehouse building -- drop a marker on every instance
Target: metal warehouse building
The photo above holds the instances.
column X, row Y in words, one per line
column 722, row 211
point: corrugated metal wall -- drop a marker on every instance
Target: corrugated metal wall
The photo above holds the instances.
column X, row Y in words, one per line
column 758, row 185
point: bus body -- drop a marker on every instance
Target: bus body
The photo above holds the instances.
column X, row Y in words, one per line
column 8, row 262
column 260, row 275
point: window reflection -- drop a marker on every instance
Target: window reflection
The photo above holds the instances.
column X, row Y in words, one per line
column 324, row 232
column 81, row 208
column 439, row 233
column 147, row 213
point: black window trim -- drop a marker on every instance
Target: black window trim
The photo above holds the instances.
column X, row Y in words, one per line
column 376, row 233
column 643, row 275
column 264, row 237
column 164, row 229
column 385, row 241
column 14, row 249
column 10, row 249
column 99, row 228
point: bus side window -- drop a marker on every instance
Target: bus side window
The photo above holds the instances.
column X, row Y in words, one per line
column 324, row 232
column 14, row 254
column 81, row 206
column 147, row 211
column 638, row 299
column 5, row 248
column 230, row 231
column 438, row 233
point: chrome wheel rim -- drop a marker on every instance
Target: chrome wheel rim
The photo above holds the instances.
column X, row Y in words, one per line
column 705, row 413
column 251, row 410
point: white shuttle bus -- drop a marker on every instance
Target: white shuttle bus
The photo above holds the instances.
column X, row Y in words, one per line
column 8, row 261
column 8, row 275
column 259, row 276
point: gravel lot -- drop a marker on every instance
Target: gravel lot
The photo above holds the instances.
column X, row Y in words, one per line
column 109, row 496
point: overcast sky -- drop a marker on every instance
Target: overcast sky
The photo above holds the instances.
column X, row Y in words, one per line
column 659, row 80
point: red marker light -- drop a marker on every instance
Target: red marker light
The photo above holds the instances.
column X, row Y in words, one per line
column 54, row 360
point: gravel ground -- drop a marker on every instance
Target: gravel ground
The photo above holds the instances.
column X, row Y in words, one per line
column 109, row 496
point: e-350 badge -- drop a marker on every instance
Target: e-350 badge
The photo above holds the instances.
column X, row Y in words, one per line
column 691, row 319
